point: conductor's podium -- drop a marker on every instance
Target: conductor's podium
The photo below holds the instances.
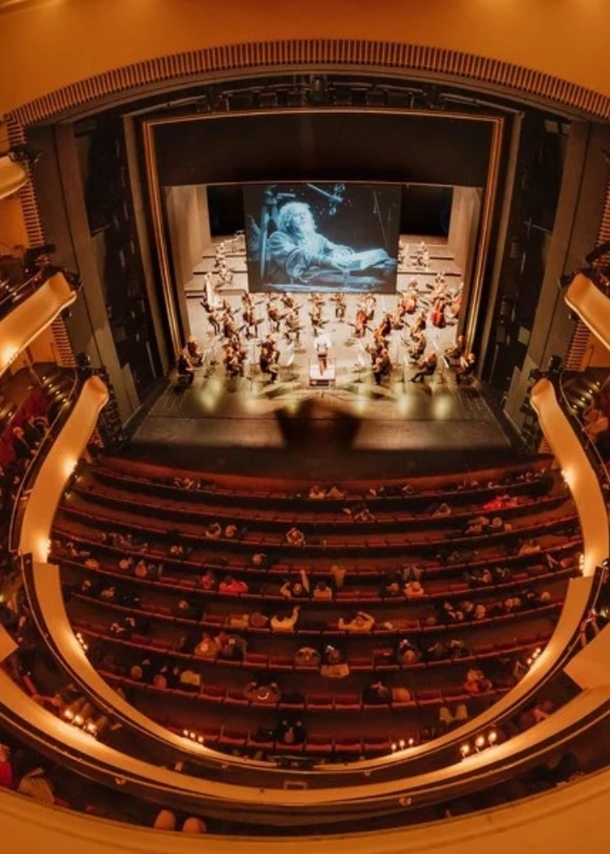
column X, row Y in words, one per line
column 322, row 379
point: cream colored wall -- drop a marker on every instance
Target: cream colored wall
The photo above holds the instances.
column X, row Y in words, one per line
column 62, row 41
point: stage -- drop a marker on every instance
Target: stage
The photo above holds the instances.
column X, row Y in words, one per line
column 355, row 428
column 331, row 424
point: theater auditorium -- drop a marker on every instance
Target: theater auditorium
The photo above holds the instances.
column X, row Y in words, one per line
column 304, row 421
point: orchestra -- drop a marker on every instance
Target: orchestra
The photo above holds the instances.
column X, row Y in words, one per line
column 252, row 329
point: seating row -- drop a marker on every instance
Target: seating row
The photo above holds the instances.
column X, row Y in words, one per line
column 219, row 695
column 380, row 569
column 512, row 479
column 220, row 622
column 308, row 520
column 329, row 544
column 539, row 575
column 380, row 660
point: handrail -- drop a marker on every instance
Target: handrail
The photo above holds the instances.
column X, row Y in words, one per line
column 581, row 477
column 36, row 462
column 591, row 304
column 589, row 446
column 22, row 325
column 16, row 294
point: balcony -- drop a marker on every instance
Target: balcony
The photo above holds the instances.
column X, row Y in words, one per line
column 39, row 302
column 12, row 176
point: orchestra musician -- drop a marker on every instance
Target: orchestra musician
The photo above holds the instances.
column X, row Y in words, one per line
column 427, row 367
column 417, row 347
column 292, row 326
column 288, row 301
column 315, row 316
column 360, row 323
column 385, row 327
column 340, row 305
column 419, row 324
column 249, row 318
column 229, row 327
column 455, row 351
column 274, row 315
column 212, row 317
column 194, row 352
column 466, row 366
column 269, row 358
column 235, row 357
column 382, row 366
column 437, row 314
column 369, row 304
column 455, row 303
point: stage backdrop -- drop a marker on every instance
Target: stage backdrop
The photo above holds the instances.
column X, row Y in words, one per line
column 322, row 236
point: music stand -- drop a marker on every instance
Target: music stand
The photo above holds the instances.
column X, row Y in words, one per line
column 360, row 367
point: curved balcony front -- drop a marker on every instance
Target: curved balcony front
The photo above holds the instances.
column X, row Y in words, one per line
column 12, row 176
column 592, row 305
column 32, row 315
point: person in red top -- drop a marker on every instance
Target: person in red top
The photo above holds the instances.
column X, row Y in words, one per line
column 6, row 769
column 232, row 585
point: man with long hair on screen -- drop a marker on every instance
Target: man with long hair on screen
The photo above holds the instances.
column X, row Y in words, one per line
column 296, row 252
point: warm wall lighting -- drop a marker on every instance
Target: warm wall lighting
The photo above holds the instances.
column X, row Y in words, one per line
column 44, row 549
column 68, row 466
column 9, row 354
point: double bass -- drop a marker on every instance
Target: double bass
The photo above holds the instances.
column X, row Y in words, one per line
column 437, row 315
column 360, row 323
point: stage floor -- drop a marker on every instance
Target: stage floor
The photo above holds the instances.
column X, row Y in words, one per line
column 352, row 427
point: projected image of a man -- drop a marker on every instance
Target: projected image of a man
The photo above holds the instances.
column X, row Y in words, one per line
column 297, row 252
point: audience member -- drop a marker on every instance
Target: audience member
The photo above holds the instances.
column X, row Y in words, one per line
column 262, row 691
column 360, row 622
column 232, row 586
column 285, row 621
column 294, row 537
column 296, row 589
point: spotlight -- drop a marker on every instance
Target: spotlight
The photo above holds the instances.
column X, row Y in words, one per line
column 479, row 742
column 492, row 738
column 465, row 750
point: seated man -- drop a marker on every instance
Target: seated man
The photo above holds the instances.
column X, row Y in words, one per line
column 294, row 537
column 316, row 492
column 466, row 367
column 296, row 589
column 427, row 367
column 455, row 351
column 361, row 622
column 186, row 373
column 297, row 252
column 233, row 586
column 193, row 352
column 285, row 622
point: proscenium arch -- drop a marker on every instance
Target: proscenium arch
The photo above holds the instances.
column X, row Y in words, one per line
column 225, row 61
